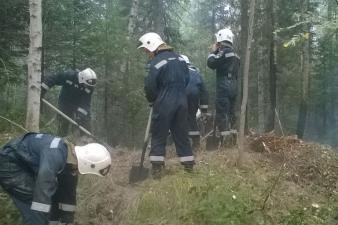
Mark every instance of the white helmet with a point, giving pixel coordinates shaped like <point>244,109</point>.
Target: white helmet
<point>88,77</point>
<point>224,35</point>
<point>186,59</point>
<point>93,158</point>
<point>150,41</point>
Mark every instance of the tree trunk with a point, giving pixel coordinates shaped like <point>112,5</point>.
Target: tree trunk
<point>74,34</point>
<point>107,69</point>
<point>34,66</point>
<point>246,80</point>
<point>260,90</point>
<point>261,65</point>
<point>243,40</point>
<point>159,18</point>
<point>133,17</point>
<point>305,59</point>
<point>270,125</point>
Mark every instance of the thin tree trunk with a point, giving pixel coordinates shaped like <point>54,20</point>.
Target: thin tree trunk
<point>74,48</point>
<point>34,66</point>
<point>133,17</point>
<point>213,17</point>
<point>107,67</point>
<point>244,39</point>
<point>260,87</point>
<point>158,17</point>
<point>261,59</point>
<point>305,58</point>
<point>270,125</point>
<point>246,80</point>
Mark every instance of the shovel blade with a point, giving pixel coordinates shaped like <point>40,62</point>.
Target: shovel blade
<point>137,174</point>
<point>212,143</point>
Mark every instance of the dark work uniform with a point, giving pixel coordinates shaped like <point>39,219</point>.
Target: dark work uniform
<point>74,99</point>
<point>197,99</point>
<point>226,63</point>
<point>33,171</point>
<point>165,89</point>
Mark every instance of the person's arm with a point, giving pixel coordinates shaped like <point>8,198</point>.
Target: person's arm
<point>65,197</point>
<point>52,162</point>
<point>150,82</point>
<point>187,76</point>
<point>59,79</point>
<point>204,96</point>
<point>215,59</point>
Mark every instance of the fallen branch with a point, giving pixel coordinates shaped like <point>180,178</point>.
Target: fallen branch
<point>274,184</point>
<point>14,123</point>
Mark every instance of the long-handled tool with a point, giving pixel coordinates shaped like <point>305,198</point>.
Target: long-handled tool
<point>139,172</point>
<point>77,124</point>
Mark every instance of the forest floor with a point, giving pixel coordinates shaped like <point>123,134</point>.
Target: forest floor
<point>282,181</point>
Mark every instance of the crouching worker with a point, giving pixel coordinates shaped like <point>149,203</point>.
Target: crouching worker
<point>39,172</point>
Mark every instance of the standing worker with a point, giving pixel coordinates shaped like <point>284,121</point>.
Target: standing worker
<point>75,96</point>
<point>226,62</point>
<point>197,99</point>
<point>39,172</point>
<point>165,90</point>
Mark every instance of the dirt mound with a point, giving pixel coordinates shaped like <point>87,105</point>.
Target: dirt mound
<point>105,201</point>
<point>305,163</point>
<point>296,167</point>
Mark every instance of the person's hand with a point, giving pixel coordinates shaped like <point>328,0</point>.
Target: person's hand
<point>214,47</point>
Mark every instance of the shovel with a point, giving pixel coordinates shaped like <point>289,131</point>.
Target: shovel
<point>139,172</point>
<point>110,149</point>
<point>212,142</point>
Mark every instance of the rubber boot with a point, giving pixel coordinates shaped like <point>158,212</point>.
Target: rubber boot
<point>157,170</point>
<point>188,166</point>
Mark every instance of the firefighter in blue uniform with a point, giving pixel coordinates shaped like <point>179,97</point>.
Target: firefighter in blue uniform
<point>74,98</point>
<point>226,62</point>
<point>197,96</point>
<point>39,172</point>
<point>165,89</point>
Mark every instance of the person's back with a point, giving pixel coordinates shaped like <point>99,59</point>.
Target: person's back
<point>164,87</point>
<point>170,74</point>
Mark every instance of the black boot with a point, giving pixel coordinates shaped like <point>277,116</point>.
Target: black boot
<point>188,166</point>
<point>157,170</point>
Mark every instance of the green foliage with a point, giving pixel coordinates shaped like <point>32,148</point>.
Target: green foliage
<point>206,198</point>
<point>219,195</point>
<point>304,216</point>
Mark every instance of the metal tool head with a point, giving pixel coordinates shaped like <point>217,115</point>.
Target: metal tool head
<point>212,142</point>
<point>138,174</point>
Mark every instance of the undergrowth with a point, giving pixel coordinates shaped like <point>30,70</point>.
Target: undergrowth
<point>216,195</point>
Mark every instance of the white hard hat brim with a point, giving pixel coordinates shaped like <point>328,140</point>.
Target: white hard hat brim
<point>80,165</point>
<point>141,46</point>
